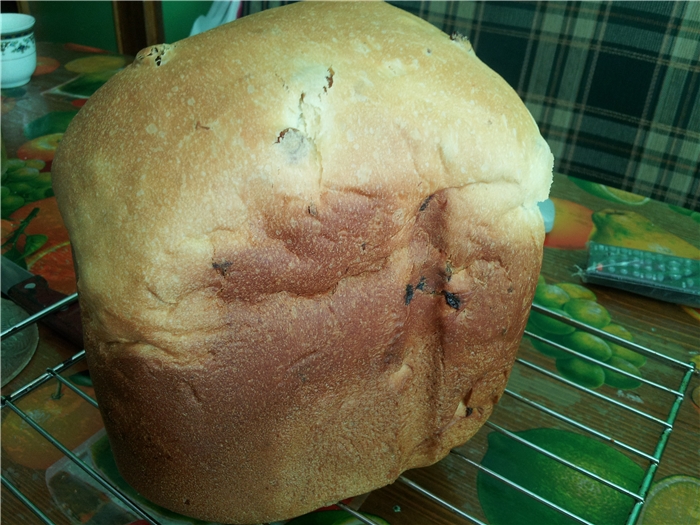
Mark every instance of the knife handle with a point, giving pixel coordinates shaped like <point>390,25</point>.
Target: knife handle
<point>34,295</point>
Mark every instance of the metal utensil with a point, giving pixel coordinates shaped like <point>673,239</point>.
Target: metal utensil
<point>61,313</point>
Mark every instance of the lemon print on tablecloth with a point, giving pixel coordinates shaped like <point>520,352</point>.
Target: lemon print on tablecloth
<point>543,347</point>
<point>609,193</point>
<point>550,479</point>
<point>589,312</point>
<point>684,211</point>
<point>583,306</point>
<point>95,64</point>
<point>617,380</point>
<point>550,296</point>
<point>576,291</point>
<point>629,229</point>
<point>673,500</point>
<point>633,357</point>
<point>695,398</point>
<point>549,325</point>
<point>23,182</point>
<point>588,344</point>
<point>623,197</point>
<point>53,122</point>
<point>581,372</point>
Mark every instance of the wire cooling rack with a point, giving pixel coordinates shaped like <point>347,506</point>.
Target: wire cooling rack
<point>640,431</point>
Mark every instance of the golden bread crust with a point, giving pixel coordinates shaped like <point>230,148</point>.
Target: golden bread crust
<point>307,244</point>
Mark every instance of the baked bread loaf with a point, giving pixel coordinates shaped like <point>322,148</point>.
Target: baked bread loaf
<point>306,244</point>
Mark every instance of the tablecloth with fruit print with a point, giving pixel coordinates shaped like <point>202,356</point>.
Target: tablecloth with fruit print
<point>34,119</point>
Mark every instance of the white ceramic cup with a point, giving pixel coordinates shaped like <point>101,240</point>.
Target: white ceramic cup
<point>18,49</point>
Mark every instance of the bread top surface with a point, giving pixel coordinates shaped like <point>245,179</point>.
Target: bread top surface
<point>280,154</point>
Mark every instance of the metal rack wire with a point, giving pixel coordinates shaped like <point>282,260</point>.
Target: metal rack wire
<point>662,425</point>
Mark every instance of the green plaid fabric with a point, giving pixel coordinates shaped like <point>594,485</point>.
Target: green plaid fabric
<point>614,86</point>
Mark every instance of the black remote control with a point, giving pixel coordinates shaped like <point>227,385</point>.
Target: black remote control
<point>656,275</point>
